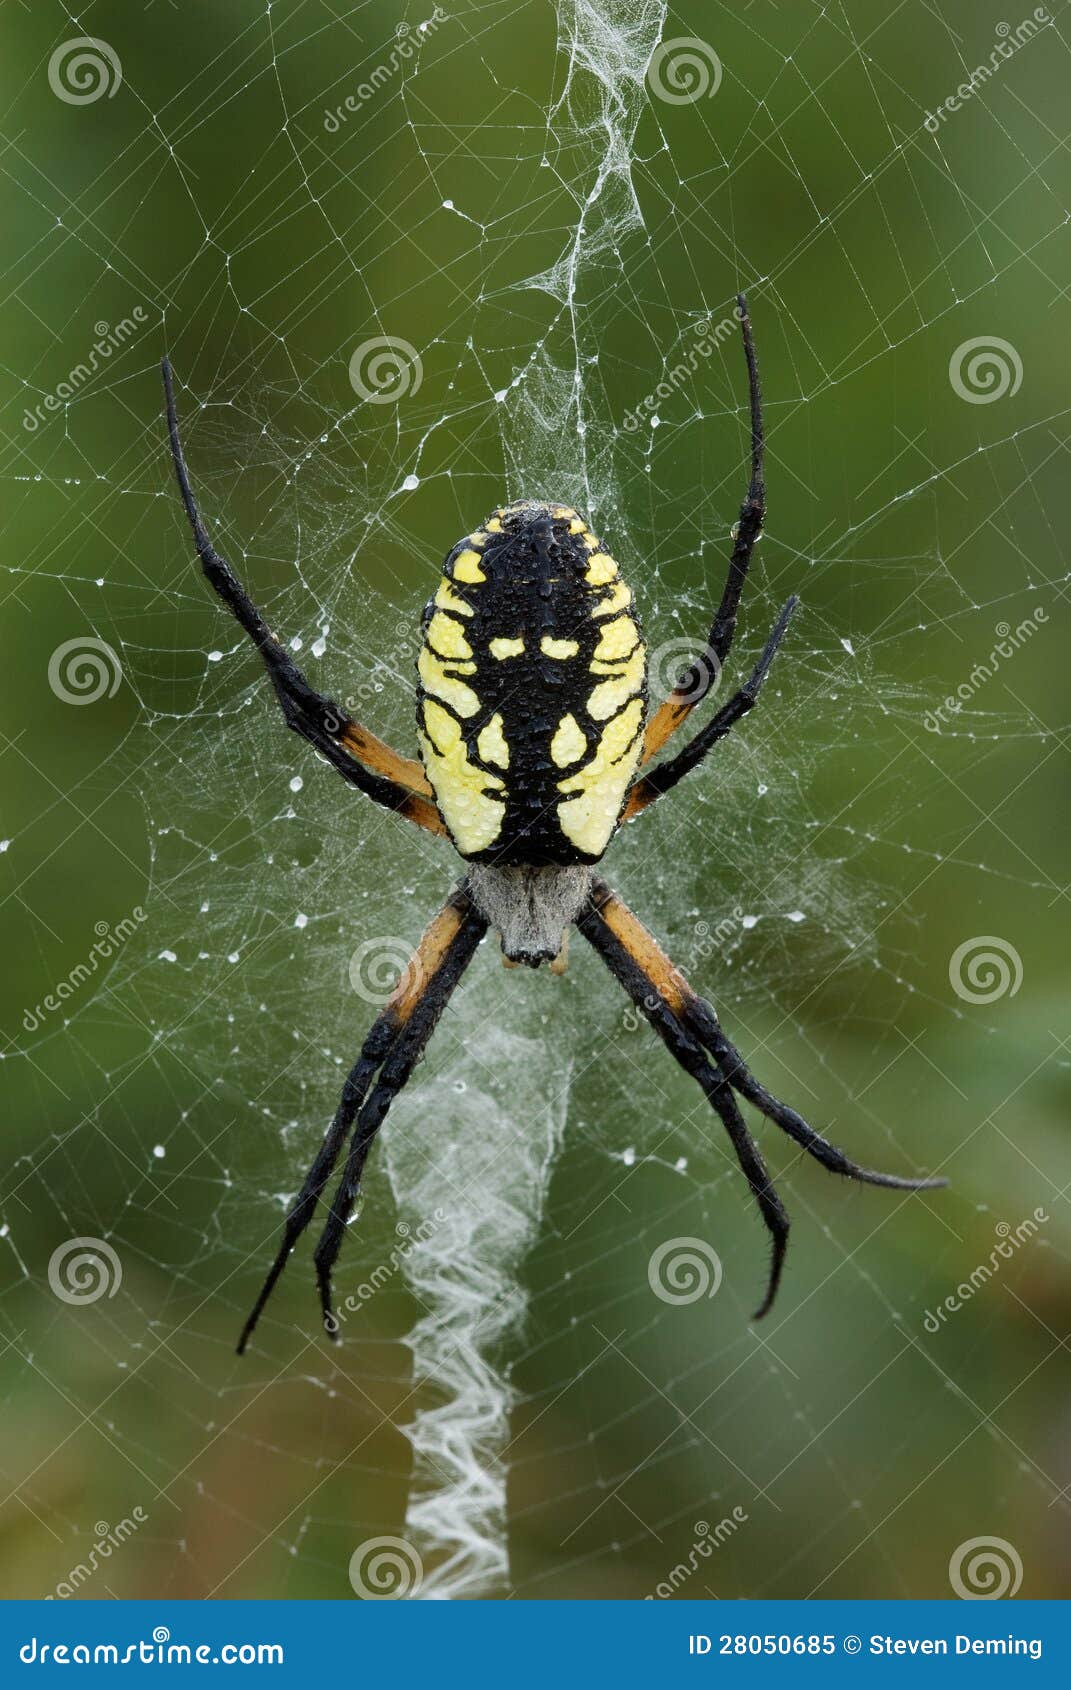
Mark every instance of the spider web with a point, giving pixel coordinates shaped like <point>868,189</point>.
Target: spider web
<point>507,268</point>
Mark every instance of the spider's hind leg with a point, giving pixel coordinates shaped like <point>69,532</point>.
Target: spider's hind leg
<point>689,1026</point>
<point>432,995</point>
<point>395,1041</point>
<point>659,1001</point>
<point>704,1023</point>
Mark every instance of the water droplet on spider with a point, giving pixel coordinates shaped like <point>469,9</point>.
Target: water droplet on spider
<point>795,915</point>
<point>748,921</point>
<point>318,647</point>
<point>167,956</point>
<point>410,484</point>
<point>159,1152</point>
<point>763,789</point>
<point>215,657</point>
<point>233,956</point>
<point>848,646</point>
<point>301,920</point>
<point>460,1086</point>
<point>296,643</point>
<point>296,783</point>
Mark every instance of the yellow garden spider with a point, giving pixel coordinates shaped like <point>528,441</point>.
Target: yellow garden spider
<point>533,727</point>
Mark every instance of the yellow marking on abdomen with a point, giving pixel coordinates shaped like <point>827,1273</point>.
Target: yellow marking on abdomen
<point>615,642</point>
<point>451,690</point>
<point>491,743</point>
<point>560,649</point>
<point>568,744</point>
<point>447,599</point>
<point>618,598</point>
<point>588,818</point>
<point>610,695</point>
<point>503,648</point>
<point>474,819</point>
<point>601,569</point>
<point>448,638</point>
<point>467,568</point>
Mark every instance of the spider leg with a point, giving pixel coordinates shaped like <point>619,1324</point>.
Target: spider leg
<point>423,978</point>
<point>701,1020</point>
<point>396,782</point>
<point>686,1021</point>
<point>663,778</point>
<point>631,969</point>
<point>702,673</point>
<point>396,1070</point>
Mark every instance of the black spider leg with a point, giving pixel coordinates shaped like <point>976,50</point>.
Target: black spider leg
<point>697,681</point>
<point>386,1034</point>
<point>681,1044</point>
<point>664,776</point>
<point>396,1070</point>
<point>701,1018</point>
<point>375,1048</point>
<point>318,719</point>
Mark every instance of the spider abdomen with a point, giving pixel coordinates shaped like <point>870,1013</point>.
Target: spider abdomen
<point>532,695</point>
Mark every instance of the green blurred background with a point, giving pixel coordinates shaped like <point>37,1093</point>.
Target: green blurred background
<point>175,1099</point>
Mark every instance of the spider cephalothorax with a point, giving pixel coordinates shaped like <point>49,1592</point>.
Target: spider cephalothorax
<point>533,728</point>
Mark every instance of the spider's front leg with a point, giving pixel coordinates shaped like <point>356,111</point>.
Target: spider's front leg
<point>396,782</point>
<point>392,1048</point>
<point>690,1028</point>
<point>704,670</point>
<point>702,673</point>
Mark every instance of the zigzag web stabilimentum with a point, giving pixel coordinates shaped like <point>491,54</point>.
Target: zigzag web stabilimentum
<point>501,1151</point>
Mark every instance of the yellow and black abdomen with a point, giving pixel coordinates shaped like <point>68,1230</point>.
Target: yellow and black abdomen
<point>532,694</point>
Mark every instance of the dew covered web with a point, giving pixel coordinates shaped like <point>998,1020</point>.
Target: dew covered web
<point>508,269</point>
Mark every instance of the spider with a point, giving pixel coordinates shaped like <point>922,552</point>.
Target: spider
<point>533,728</point>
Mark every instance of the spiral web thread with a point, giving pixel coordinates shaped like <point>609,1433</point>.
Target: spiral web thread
<point>248,987</point>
